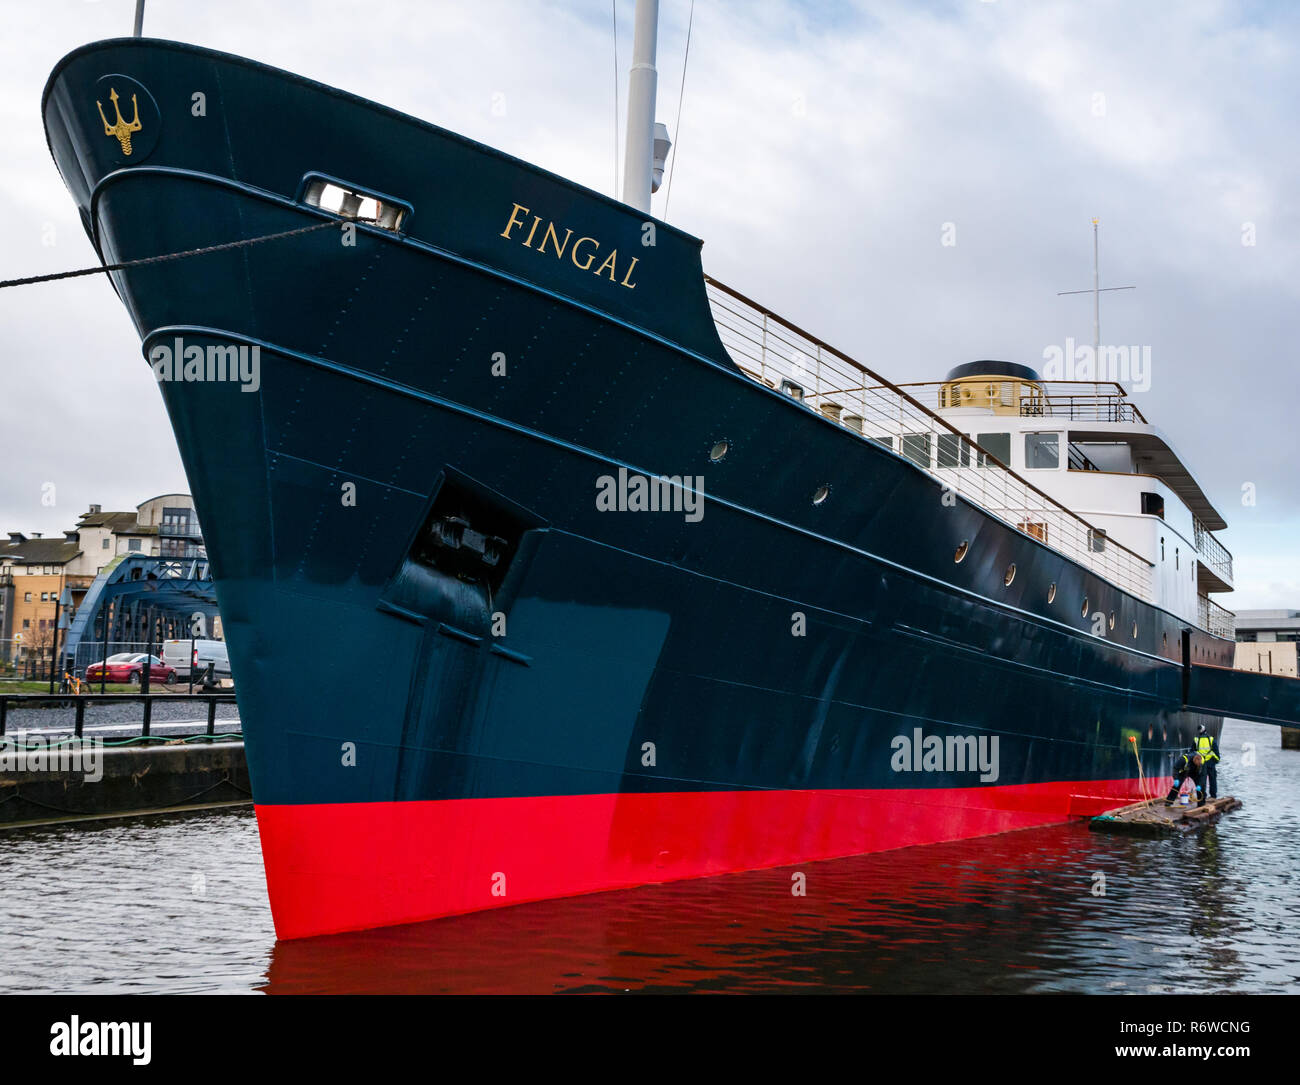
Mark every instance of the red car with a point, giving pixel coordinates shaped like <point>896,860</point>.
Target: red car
<point>127,667</point>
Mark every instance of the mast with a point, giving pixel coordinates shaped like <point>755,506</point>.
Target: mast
<point>1096,292</point>
<point>638,160</point>
<point>1096,295</point>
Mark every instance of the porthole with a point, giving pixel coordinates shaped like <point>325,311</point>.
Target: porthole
<point>1164,640</point>
<point>1010,575</point>
<point>1135,630</point>
<point>822,493</point>
<point>1085,606</point>
<point>1051,592</point>
<point>1112,619</point>
<point>962,549</point>
<point>719,451</point>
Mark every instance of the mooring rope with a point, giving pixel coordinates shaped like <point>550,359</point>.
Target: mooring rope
<point>167,256</point>
<point>1142,782</point>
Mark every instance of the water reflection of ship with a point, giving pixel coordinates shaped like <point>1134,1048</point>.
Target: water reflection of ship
<point>1013,913</point>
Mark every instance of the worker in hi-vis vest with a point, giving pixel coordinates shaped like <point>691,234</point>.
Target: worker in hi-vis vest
<point>1209,751</point>
<point>1188,765</point>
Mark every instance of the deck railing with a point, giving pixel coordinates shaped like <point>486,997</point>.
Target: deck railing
<point>1215,619</point>
<point>1091,404</point>
<point>786,358</point>
<point>1084,401</point>
<point>1214,553</point>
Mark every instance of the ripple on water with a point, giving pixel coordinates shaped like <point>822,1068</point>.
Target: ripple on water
<point>178,904</point>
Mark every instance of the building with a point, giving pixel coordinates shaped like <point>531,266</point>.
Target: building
<point>166,526</point>
<point>34,571</point>
<point>1267,640</point>
<point>1268,626</point>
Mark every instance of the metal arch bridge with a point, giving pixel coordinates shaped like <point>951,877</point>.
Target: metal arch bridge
<point>137,597</point>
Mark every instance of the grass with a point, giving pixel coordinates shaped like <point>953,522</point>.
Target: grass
<point>92,687</point>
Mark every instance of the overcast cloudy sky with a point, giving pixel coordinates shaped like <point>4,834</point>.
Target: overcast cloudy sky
<point>822,148</point>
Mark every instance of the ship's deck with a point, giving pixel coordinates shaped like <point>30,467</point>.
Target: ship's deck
<point>778,354</point>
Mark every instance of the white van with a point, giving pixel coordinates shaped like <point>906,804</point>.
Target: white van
<point>176,653</point>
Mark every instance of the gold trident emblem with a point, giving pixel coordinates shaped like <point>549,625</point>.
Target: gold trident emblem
<point>121,129</point>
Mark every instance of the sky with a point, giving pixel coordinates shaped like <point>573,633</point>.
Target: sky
<point>825,153</point>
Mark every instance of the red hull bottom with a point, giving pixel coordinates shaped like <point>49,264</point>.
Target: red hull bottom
<point>354,866</point>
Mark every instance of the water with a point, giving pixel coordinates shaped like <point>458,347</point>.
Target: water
<point>178,904</point>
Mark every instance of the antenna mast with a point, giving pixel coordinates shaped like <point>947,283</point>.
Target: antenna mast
<point>1096,292</point>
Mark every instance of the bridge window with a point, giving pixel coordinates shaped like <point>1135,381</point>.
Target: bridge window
<point>994,444</point>
<point>1042,451</point>
<point>953,451</point>
<point>916,447</point>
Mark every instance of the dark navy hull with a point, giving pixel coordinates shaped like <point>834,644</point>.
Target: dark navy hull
<point>640,708</point>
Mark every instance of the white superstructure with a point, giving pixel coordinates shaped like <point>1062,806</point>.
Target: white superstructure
<point>1072,463</point>
<point>1087,445</point>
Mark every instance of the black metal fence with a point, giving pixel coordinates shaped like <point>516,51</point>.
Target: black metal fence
<point>78,702</point>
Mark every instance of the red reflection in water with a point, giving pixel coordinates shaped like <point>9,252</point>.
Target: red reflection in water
<point>976,913</point>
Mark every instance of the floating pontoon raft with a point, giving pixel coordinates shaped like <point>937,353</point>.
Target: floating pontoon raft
<point>1154,818</point>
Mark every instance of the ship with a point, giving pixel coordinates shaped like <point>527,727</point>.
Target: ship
<point>550,565</point>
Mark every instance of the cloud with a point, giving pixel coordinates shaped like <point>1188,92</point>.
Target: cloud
<point>821,150</point>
